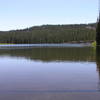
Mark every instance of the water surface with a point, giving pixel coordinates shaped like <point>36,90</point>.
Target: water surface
<point>49,69</point>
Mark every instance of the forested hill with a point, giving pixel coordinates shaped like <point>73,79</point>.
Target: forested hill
<point>51,34</point>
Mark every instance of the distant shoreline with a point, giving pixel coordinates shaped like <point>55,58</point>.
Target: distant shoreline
<point>73,42</point>
<point>81,33</point>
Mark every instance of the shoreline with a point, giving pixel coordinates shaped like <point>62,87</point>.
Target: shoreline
<point>73,42</point>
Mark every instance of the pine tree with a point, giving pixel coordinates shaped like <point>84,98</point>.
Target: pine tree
<point>98,31</point>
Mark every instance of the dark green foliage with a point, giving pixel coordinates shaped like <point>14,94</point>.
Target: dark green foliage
<point>98,33</point>
<point>51,34</point>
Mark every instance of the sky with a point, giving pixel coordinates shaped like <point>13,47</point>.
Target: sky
<point>19,14</point>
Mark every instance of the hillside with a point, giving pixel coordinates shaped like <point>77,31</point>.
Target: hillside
<point>51,34</point>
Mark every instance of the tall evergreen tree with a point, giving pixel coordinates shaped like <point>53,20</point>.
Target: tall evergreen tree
<point>98,28</point>
<point>98,31</point>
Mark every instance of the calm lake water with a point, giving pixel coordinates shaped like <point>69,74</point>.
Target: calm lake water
<point>49,69</point>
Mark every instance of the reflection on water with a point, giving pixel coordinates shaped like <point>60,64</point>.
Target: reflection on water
<point>49,69</point>
<point>53,54</point>
<point>98,64</point>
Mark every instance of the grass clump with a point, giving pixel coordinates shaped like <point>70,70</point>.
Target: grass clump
<point>94,44</point>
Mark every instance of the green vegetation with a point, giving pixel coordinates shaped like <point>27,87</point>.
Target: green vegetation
<point>94,44</point>
<point>51,34</point>
<point>98,32</point>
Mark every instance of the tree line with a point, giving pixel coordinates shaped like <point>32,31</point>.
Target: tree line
<point>50,34</point>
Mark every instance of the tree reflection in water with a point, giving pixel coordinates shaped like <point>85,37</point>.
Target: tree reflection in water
<point>98,63</point>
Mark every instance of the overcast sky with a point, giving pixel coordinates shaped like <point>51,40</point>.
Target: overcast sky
<point>19,14</point>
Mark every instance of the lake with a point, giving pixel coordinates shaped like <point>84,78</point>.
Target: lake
<point>49,70</point>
